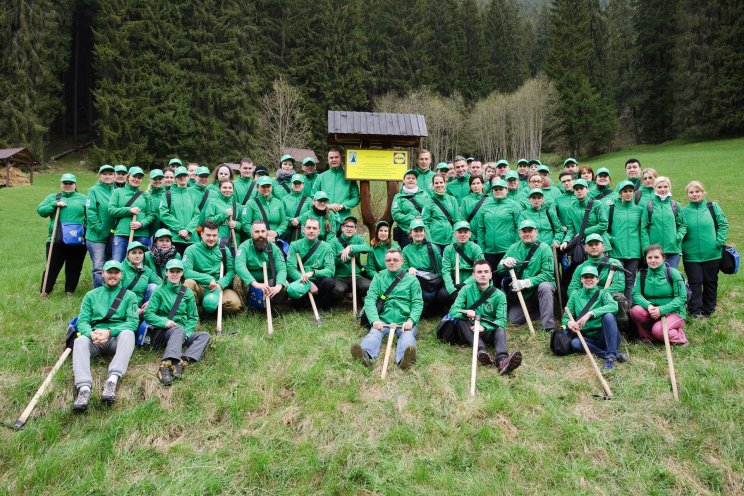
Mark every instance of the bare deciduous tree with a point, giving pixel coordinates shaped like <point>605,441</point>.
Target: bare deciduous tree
<point>282,122</point>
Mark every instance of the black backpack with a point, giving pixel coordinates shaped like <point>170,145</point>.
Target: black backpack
<point>668,273</point>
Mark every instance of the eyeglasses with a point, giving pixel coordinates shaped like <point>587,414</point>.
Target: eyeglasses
<point>391,260</point>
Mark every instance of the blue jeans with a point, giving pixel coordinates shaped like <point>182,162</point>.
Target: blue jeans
<point>372,342</point>
<point>673,259</point>
<point>119,246</point>
<point>607,342</point>
<point>97,253</point>
<point>148,291</point>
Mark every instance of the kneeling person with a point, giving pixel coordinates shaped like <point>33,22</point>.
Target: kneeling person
<point>318,261</point>
<point>252,255</point>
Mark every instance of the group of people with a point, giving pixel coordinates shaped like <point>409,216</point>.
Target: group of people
<point>465,239</point>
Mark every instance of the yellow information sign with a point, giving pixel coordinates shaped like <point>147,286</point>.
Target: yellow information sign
<point>376,165</point>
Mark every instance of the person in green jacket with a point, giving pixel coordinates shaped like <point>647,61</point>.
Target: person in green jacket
<point>565,200</point>
<point>317,259</point>
<point>571,166</point>
<point>225,211</point>
<point>707,230</point>
<point>471,204</point>
<point>514,190</point>
<point>549,228</point>
<point>523,169</point>
<point>381,242</point>
<point>221,173</point>
<point>69,242</point>
<point>161,253</point>
<point>98,222</point>
<point>534,276</point>
<point>345,245</point>
<point>663,222</point>
<point>209,270</point>
<point>179,213</point>
<point>408,204</point>
<point>174,326</point>
<point>202,192</point>
<point>130,209</point>
<point>136,276</point>
<point>659,292</point>
<point>551,192</point>
<point>463,253</point>
<point>343,194</point>
<point>440,214</point>
<point>492,318</point>
<point>244,187</point>
<point>266,207</point>
<point>120,176</point>
<point>624,232</point>
<point>459,186</point>
<point>422,259</point>
<point>645,193</point>
<point>632,174</point>
<point>249,281</point>
<point>295,204</point>
<point>282,183</point>
<point>401,307</point>
<point>169,177</point>
<point>424,174</point>
<point>156,190</point>
<point>328,219</point>
<point>603,190</point>
<point>99,333</point>
<point>309,170</point>
<point>596,322</point>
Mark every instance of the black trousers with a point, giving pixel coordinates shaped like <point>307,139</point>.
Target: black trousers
<point>631,265</point>
<point>493,261</point>
<point>72,257</point>
<point>462,333</point>
<point>180,247</point>
<point>703,280</point>
<point>325,298</point>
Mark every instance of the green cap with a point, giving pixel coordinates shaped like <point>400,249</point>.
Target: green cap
<point>625,184</point>
<point>298,289</point>
<point>603,170</point>
<point>350,217</point>
<point>523,161</point>
<point>136,171</point>
<point>589,270</point>
<point>106,167</point>
<point>527,224</point>
<point>135,244</point>
<point>462,224</point>
<point>309,160</point>
<point>443,166</point>
<point>593,237</point>
<point>68,178</point>
<point>498,183</point>
<point>265,181</point>
<point>543,168</point>
<point>469,159</point>
<point>202,171</point>
<point>536,191</point>
<point>512,175</point>
<point>156,173</point>
<point>409,172</point>
<point>287,158</point>
<point>416,223</point>
<point>181,171</point>
<point>162,232</point>
<point>502,163</point>
<point>569,160</point>
<point>534,161</point>
<point>580,182</point>
<point>175,161</point>
<point>298,178</point>
<point>320,195</point>
<point>174,264</point>
<point>120,168</point>
<point>112,264</point>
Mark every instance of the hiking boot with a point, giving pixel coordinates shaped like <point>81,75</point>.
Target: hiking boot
<point>164,373</point>
<point>359,354</point>
<point>609,364</point>
<point>508,364</point>
<point>81,402</point>
<point>484,358</point>
<point>179,368</point>
<point>409,356</point>
<point>109,392</point>
<point>622,358</point>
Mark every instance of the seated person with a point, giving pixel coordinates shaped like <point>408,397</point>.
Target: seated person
<point>381,242</point>
<point>249,282</point>
<point>136,276</point>
<point>317,260</point>
<point>422,259</point>
<point>345,245</point>
<point>161,253</point>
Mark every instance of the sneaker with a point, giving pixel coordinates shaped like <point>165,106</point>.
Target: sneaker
<point>622,358</point>
<point>409,356</point>
<point>609,364</point>
<point>109,392</point>
<point>484,358</point>
<point>508,364</point>
<point>359,354</point>
<point>179,368</point>
<point>164,373</point>
<point>81,402</point>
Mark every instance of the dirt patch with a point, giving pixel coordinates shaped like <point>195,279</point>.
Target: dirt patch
<point>17,177</point>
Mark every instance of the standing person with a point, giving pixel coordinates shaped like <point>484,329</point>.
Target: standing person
<point>381,242</point>
<point>659,291</point>
<point>571,166</point>
<point>329,222</point>
<point>471,204</point>
<point>192,168</point>
<point>707,230</point>
<point>475,167</point>
<point>424,174</point>
<point>267,208</point>
<point>125,203</point>
<point>309,169</point>
<point>551,192</point>
<point>295,204</point>
<point>252,254</point>
<point>169,177</point>
<point>480,297</point>
<point>202,192</point>
<point>549,228</point>
<point>663,223</point>
<point>221,173</point>
<point>632,174</point>
<point>224,211</point>
<point>317,260</point>
<point>402,306</point>
<point>179,213</point>
<point>282,182</point>
<point>645,193</point>
<point>172,311</point>
<point>98,222</point>
<point>468,253</point>
<point>441,214</point>
<point>502,168</point>
<point>624,232</point>
<point>346,244</point>
<point>245,186</point>
<point>343,194</point>
<point>523,169</point>
<point>565,200</point>
<point>69,243</point>
<point>489,171</point>
<point>120,176</point>
<point>459,186</point>
<point>587,174</point>
<point>532,262</point>
<point>136,276</point>
<point>514,191</point>
<point>408,204</point>
<point>424,261</point>
<point>603,187</point>
<point>107,321</point>
<point>156,190</point>
<point>161,253</point>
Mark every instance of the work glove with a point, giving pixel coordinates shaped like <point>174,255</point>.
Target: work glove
<point>521,284</point>
<point>509,262</point>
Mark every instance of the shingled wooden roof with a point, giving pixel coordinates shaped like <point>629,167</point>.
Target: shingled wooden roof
<point>370,128</point>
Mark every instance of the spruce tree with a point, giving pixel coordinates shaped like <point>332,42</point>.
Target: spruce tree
<point>507,46</point>
<point>474,64</point>
<point>728,97</point>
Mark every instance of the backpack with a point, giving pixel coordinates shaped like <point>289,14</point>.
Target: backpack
<point>650,207</point>
<point>668,273</point>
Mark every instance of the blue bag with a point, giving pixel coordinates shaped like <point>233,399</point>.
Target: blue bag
<point>729,260</point>
<point>72,233</point>
<point>256,298</point>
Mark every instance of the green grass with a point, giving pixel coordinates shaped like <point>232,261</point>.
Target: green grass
<point>292,414</point>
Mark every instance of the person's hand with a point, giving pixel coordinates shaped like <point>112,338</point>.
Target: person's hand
<point>305,277</point>
<point>183,233</point>
<point>521,284</point>
<point>271,236</point>
<point>573,325</point>
<point>555,244</point>
<point>412,271</point>
<point>564,245</point>
<point>654,311</point>
<point>583,320</point>
<point>61,204</point>
<point>228,211</point>
<point>100,336</point>
<point>345,253</point>
<point>313,288</point>
<point>170,324</point>
<point>134,210</point>
<point>295,222</point>
<point>213,285</point>
<point>377,324</point>
<point>408,325</point>
<point>135,224</point>
<point>469,314</point>
<point>509,262</point>
<point>275,290</point>
<point>231,224</point>
<point>335,207</point>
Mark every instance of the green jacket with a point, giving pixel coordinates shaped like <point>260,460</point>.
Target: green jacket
<point>702,242</point>
<point>618,278</point>
<point>99,223</point>
<point>670,298</point>
<point>439,228</point>
<point>148,276</point>
<point>604,304</point>
<point>202,264</point>
<point>291,203</point>
<point>321,261</point>
<point>160,271</point>
<point>497,225</point>
<point>309,181</point>
<point>197,194</point>
<point>518,196</point>
<point>402,304</point>
<point>95,307</point>
<point>404,212</point>
<point>416,255</point>
<point>609,194</point>
<point>493,309</point>
<point>182,213</point>
<point>161,303</point>
<point>596,223</point>
<point>339,190</point>
<point>563,206</point>
<point>74,212</point>
<point>647,194</point>
<point>625,232</point>
<point>156,194</point>
<point>424,179</point>
<point>358,246</point>
<point>459,187</point>
<point>278,187</point>
<point>121,215</point>
<point>249,264</point>
<point>550,194</point>
<point>539,269</point>
<point>216,212</point>
<point>467,205</point>
<point>241,187</point>
<point>332,219</point>
<point>549,227</point>
<point>665,228</point>
<point>470,249</point>
<point>376,258</point>
<point>637,184</point>
<point>274,209</point>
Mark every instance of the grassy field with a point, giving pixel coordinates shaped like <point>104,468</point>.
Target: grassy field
<point>292,414</point>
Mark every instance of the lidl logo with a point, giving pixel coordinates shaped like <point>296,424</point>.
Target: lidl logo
<point>399,158</point>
